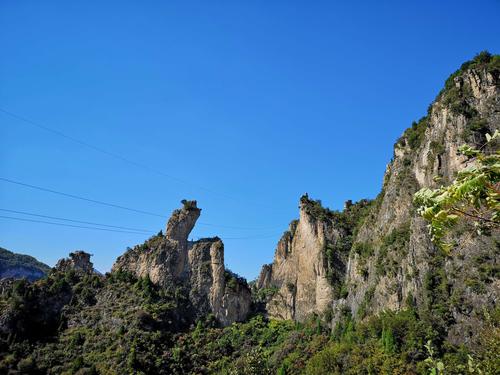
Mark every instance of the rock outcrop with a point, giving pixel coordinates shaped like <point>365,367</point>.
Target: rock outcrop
<point>78,261</point>
<point>390,262</point>
<point>299,273</point>
<point>164,258</point>
<point>171,260</point>
<point>213,288</point>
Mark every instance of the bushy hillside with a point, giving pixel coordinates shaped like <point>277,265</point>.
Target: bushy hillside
<point>76,323</point>
<point>20,266</point>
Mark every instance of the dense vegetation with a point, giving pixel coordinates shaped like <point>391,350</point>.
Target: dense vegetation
<point>118,325</point>
<point>393,343</point>
<point>75,322</point>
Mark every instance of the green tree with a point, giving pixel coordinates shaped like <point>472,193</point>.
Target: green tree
<point>388,340</point>
<point>436,367</point>
<point>474,195</point>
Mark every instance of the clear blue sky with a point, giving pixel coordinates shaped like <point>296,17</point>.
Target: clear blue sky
<point>251,103</point>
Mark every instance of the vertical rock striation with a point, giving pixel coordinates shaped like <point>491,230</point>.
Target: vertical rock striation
<point>171,260</point>
<point>386,260</point>
<point>299,273</point>
<point>403,267</point>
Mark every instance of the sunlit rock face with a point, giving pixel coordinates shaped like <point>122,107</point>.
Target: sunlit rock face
<point>299,272</point>
<point>198,266</point>
<point>392,263</point>
<point>213,289</point>
<point>77,261</point>
<point>399,271</point>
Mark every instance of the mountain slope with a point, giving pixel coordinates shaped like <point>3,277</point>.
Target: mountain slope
<point>18,266</point>
<point>404,267</point>
<point>385,259</point>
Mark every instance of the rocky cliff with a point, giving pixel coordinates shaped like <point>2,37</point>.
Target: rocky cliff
<point>386,260</point>
<point>78,261</point>
<point>197,267</point>
<point>299,275</point>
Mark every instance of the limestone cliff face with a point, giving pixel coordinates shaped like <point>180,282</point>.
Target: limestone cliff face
<point>171,260</point>
<point>213,289</point>
<point>300,271</point>
<point>391,262</point>
<point>180,224</point>
<point>403,266</point>
<point>164,258</point>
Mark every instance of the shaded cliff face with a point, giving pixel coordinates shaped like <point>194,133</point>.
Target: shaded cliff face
<point>391,263</point>
<point>213,288</point>
<point>196,266</point>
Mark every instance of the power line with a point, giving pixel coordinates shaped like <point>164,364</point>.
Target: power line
<point>73,196</point>
<point>129,161</point>
<point>74,221</point>
<point>67,225</point>
<point>79,197</point>
<point>107,230</point>
<point>109,153</point>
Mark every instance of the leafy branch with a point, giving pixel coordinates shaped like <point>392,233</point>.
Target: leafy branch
<point>473,195</point>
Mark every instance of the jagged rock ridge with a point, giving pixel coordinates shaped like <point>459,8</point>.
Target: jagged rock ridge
<point>391,262</point>
<point>171,260</point>
<point>299,271</point>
